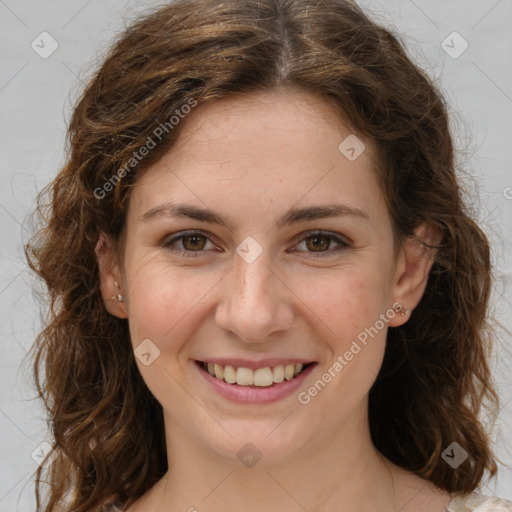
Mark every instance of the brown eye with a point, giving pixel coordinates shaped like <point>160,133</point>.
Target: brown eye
<point>188,244</point>
<point>318,243</point>
<point>194,242</point>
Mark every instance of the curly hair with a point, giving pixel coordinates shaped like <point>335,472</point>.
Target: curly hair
<point>435,378</point>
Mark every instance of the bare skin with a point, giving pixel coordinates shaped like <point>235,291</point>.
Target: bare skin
<point>251,160</point>
<point>412,494</point>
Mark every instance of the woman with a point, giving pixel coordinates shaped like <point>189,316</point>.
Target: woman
<point>266,291</point>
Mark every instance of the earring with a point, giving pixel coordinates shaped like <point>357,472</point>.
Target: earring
<point>400,309</point>
<point>119,297</point>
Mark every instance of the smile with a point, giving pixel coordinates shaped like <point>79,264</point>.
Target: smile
<point>259,377</point>
<point>259,384</point>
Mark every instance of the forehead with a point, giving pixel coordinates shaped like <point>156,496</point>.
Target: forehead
<point>285,117</point>
<point>284,146</point>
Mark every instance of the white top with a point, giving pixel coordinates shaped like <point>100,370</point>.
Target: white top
<point>469,502</point>
<point>476,502</point>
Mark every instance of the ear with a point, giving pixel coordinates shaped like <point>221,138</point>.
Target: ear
<point>412,270</point>
<point>111,285</point>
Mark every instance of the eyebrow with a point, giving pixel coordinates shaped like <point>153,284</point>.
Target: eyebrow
<point>293,216</point>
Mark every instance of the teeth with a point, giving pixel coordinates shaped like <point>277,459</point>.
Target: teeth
<point>219,371</point>
<point>229,374</point>
<point>289,370</point>
<point>244,376</point>
<point>278,373</point>
<point>262,377</point>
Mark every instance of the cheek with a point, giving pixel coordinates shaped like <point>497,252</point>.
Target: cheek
<point>162,301</point>
<point>350,305</point>
<point>164,306</point>
<point>346,301</point>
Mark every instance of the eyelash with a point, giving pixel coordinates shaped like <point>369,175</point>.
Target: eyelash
<point>310,234</point>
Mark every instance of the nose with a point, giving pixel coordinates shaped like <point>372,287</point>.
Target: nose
<point>256,302</point>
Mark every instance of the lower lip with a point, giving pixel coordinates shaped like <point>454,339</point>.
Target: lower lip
<point>250,395</point>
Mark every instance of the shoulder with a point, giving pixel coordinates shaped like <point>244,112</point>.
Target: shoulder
<point>476,502</point>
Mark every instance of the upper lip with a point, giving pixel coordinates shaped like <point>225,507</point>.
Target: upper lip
<point>254,365</point>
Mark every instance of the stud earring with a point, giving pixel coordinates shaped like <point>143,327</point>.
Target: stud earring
<point>119,297</point>
<point>400,309</point>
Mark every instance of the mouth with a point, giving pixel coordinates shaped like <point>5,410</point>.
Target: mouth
<point>266,376</point>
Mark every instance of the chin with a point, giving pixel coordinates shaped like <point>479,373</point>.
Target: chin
<point>262,442</point>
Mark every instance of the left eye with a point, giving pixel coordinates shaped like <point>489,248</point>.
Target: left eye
<point>194,243</point>
<point>320,243</point>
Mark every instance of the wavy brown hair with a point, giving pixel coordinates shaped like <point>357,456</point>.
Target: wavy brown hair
<point>435,379</point>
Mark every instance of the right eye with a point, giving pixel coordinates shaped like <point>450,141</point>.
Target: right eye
<point>192,243</point>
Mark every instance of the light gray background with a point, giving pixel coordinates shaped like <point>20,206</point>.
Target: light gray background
<point>35,99</point>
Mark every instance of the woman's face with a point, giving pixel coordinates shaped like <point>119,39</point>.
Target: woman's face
<point>256,243</point>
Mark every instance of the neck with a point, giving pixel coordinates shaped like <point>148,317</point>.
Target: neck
<point>341,472</point>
